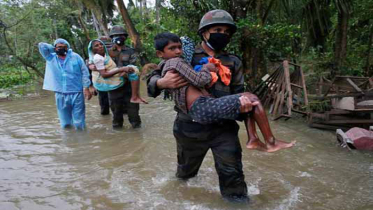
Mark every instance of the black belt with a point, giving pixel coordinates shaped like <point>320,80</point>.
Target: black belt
<point>183,117</point>
<point>186,118</point>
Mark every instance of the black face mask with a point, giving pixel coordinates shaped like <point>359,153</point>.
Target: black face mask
<point>119,40</point>
<point>218,41</point>
<point>61,51</point>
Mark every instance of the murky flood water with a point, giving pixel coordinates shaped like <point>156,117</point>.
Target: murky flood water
<point>43,167</point>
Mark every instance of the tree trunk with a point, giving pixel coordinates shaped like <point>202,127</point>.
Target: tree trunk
<point>252,57</point>
<point>134,35</point>
<point>266,12</point>
<point>341,42</point>
<point>141,11</point>
<point>131,4</point>
<point>83,26</point>
<point>259,10</point>
<point>95,23</point>
<point>15,40</point>
<point>105,24</point>
<point>157,10</point>
<point>55,28</point>
<point>22,60</point>
<point>145,9</point>
<point>238,9</point>
<point>82,46</point>
<point>98,16</point>
<point>368,72</point>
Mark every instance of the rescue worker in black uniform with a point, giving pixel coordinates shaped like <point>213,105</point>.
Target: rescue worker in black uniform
<point>124,55</point>
<point>194,139</point>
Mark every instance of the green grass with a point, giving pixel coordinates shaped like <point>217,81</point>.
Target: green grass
<point>13,77</point>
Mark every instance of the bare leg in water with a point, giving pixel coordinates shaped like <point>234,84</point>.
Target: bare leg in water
<point>259,116</point>
<point>253,142</point>
<point>135,96</point>
<point>135,88</point>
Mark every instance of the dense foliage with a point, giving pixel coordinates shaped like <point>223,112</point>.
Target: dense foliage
<point>324,36</point>
<point>14,77</point>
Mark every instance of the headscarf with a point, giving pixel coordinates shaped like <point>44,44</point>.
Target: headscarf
<point>188,48</point>
<point>91,54</point>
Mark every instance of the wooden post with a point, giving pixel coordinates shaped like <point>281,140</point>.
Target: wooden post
<point>288,86</point>
<point>354,85</point>
<point>304,88</point>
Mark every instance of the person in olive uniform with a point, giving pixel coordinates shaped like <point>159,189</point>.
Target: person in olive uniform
<point>194,139</point>
<point>195,100</point>
<point>123,56</point>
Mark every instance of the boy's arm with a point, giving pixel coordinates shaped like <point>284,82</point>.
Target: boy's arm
<point>156,83</point>
<point>198,79</point>
<point>46,50</point>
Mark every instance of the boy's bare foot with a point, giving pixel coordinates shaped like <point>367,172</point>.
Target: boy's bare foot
<point>278,145</point>
<point>138,100</point>
<point>256,144</point>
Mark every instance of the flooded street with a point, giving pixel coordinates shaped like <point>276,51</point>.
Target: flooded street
<point>43,167</point>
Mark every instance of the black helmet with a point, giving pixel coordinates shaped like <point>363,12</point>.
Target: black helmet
<point>106,40</point>
<point>216,17</point>
<point>117,30</point>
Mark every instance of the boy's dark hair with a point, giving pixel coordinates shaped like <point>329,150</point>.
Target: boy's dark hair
<point>163,39</point>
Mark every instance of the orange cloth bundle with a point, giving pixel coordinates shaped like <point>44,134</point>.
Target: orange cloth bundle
<point>223,71</point>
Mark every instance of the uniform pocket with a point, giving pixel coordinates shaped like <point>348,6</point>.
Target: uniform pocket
<point>125,59</point>
<point>191,130</point>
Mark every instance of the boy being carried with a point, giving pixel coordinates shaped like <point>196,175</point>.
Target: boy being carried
<point>195,100</point>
